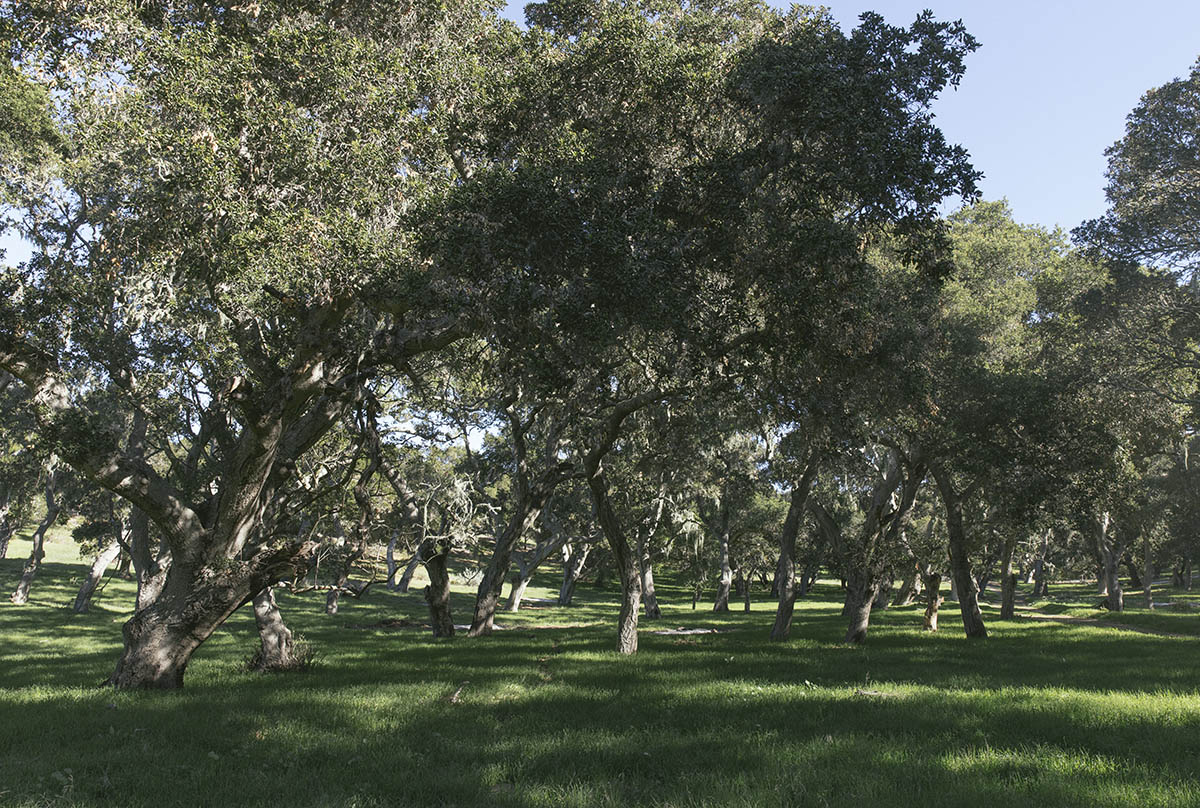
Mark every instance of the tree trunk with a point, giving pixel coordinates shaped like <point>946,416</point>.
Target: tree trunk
<point>491,585</point>
<point>150,566</point>
<point>7,524</point>
<point>1111,550</point>
<point>883,592</point>
<point>277,650</point>
<point>627,568</point>
<point>1041,586</point>
<point>910,588</point>
<point>1147,570</point>
<point>106,556</point>
<point>437,593</point>
<point>195,599</point>
<point>392,567</point>
<point>573,561</point>
<point>520,581</point>
<point>860,596</point>
<point>649,597</point>
<point>725,582</point>
<point>410,569</point>
<point>1008,581</point>
<point>21,595</point>
<point>785,571</point>
<point>1135,575</point>
<point>960,562</point>
<point>933,600</point>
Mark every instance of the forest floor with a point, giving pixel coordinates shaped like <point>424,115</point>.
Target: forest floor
<point>1041,713</point>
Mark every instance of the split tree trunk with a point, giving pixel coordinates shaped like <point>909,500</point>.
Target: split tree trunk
<point>960,562</point>
<point>573,561</point>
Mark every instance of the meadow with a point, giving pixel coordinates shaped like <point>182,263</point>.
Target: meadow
<point>544,713</point>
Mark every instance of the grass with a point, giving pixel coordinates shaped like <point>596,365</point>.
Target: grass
<point>1042,713</point>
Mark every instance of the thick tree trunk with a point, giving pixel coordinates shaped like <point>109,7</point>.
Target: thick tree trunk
<point>8,525</point>
<point>277,650</point>
<point>1008,581</point>
<point>883,592</point>
<point>933,600</point>
<point>860,596</point>
<point>83,600</point>
<point>960,562</point>
<point>785,571</point>
<point>195,599</point>
<point>437,593</point>
<point>520,581</point>
<point>21,595</point>
<point>491,585</point>
<point>725,582</point>
<point>150,565</point>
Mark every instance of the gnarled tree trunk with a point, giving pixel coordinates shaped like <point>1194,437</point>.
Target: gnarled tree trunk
<point>627,567</point>
<point>785,572</point>
<point>574,557</point>
<point>860,596</point>
<point>21,595</point>
<point>437,593</point>
<point>277,649</point>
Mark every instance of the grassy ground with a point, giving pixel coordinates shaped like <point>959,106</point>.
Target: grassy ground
<point>1042,713</point>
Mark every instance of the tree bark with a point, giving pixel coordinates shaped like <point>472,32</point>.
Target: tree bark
<point>437,593</point>
<point>725,582</point>
<point>627,568</point>
<point>860,597</point>
<point>960,562</point>
<point>392,567</point>
<point>933,600</point>
<point>277,649</point>
<point>1147,570</point>
<point>573,561</point>
<point>410,569</point>
<point>1008,581</point>
<point>83,600</point>
<point>1111,549</point>
<point>785,572</point>
<point>21,595</point>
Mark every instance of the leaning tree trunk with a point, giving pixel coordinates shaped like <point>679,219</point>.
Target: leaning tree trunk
<point>627,567</point>
<point>573,561</point>
<point>21,595</point>
<point>437,593</point>
<point>410,569</point>
<point>106,556</point>
<point>491,584</point>
<point>860,596</point>
<point>933,600</point>
<point>520,582</point>
<point>392,567</point>
<point>785,572</point>
<point>960,562</point>
<point>910,587</point>
<point>277,650</point>
<point>1008,581</point>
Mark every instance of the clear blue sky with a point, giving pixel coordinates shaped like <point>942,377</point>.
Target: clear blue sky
<point>1046,93</point>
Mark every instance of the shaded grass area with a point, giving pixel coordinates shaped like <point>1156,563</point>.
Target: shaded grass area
<point>1040,714</point>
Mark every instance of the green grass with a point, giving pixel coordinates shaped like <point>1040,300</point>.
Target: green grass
<point>1042,713</point>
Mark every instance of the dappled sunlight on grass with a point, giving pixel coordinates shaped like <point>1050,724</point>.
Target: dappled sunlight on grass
<point>1042,713</point>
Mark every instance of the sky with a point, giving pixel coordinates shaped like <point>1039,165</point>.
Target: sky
<point>1043,97</point>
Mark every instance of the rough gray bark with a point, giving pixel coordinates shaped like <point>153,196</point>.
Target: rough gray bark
<point>277,649</point>
<point>1008,581</point>
<point>933,600</point>
<point>627,568</point>
<point>410,570</point>
<point>574,557</point>
<point>21,595</point>
<point>785,572</point>
<point>960,562</point>
<point>83,600</point>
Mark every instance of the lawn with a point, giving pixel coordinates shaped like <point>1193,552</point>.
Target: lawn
<point>1041,714</point>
